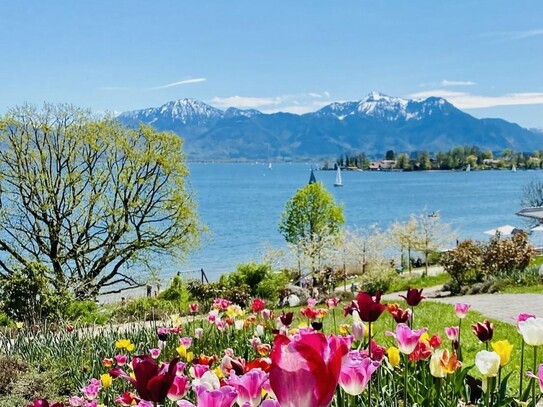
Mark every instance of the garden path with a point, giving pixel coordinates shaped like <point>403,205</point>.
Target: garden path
<point>503,307</point>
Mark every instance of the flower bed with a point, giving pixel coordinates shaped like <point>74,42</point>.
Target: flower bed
<point>372,354</point>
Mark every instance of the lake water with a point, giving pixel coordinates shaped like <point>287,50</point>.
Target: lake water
<point>241,204</point>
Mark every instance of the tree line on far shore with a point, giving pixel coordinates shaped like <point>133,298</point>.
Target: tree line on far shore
<point>457,158</point>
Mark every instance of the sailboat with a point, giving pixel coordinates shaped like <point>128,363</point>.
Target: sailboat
<point>514,168</point>
<point>339,182</point>
<point>270,166</point>
<point>468,168</point>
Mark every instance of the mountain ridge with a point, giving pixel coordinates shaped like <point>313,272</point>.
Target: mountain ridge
<point>372,125</point>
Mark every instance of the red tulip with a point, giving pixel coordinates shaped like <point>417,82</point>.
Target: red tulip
<point>44,403</point>
<point>152,382</point>
<point>258,305</point>
<point>414,296</point>
<point>286,319</point>
<point>368,308</point>
<point>484,331</point>
<point>400,315</point>
<point>305,370</point>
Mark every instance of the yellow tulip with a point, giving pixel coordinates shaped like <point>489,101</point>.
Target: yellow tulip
<point>218,372</point>
<point>182,351</point>
<point>344,329</point>
<point>503,349</point>
<point>393,354</point>
<point>125,344</point>
<point>106,380</point>
<point>19,325</point>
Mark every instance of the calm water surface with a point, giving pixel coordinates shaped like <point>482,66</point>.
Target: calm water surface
<point>241,204</point>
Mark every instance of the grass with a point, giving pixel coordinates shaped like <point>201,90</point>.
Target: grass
<point>405,281</point>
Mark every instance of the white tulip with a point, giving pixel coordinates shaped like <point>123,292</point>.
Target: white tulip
<point>532,331</point>
<point>488,363</point>
<point>436,369</point>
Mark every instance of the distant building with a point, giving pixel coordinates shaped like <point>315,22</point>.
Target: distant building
<point>382,165</point>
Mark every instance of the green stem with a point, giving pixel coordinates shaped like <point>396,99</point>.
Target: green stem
<point>369,352</point>
<point>334,315</point>
<point>459,344</point>
<point>438,392</point>
<point>487,392</point>
<point>535,370</point>
<point>521,369</point>
<point>405,380</point>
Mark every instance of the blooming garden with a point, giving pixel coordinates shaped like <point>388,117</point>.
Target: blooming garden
<point>361,353</point>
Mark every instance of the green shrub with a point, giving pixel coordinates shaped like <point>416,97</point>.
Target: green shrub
<point>269,288</point>
<point>86,312</point>
<point>27,296</point>
<point>378,280</point>
<point>11,369</point>
<point>176,293</point>
<point>463,263</point>
<point>145,309</point>
<point>5,320</point>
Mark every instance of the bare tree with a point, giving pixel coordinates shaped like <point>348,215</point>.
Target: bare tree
<point>88,198</point>
<point>431,234</point>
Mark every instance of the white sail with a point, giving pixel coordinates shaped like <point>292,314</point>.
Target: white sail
<point>339,182</point>
<point>514,168</point>
<point>468,168</point>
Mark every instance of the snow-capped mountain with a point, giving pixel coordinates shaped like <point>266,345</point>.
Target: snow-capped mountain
<point>372,125</point>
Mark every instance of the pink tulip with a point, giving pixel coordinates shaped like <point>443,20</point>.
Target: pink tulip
<point>461,309</point>
<point>198,333</point>
<point>358,326</point>
<point>270,403</point>
<point>523,317</point>
<point>249,386</point>
<point>155,353</point>
<point>179,388</point>
<point>223,397</point>
<point>193,308</point>
<point>406,338</point>
<point>305,370</point>
<point>452,332</point>
<point>539,376</point>
<point>186,341</point>
<point>356,373</point>
<point>266,314</point>
<point>121,359</point>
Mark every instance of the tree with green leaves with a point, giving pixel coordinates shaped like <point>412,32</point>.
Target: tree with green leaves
<point>90,199</point>
<point>309,217</point>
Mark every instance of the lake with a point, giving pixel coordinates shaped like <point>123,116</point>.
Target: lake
<point>241,204</point>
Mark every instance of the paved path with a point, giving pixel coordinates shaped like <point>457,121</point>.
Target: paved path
<point>503,307</point>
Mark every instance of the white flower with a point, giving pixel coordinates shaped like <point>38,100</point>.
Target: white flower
<point>488,363</point>
<point>532,331</point>
<point>436,369</point>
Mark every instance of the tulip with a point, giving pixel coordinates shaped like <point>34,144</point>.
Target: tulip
<point>332,302</point>
<point>436,368</point>
<point>539,376</point>
<point>452,332</point>
<point>258,305</point>
<point>198,333</point>
<point>503,349</point>
<point>358,327</point>
<point>413,297</point>
<point>531,330</point>
<point>488,364</point>
<point>305,370</point>
<point>249,386</point>
<point>368,307</point>
<point>155,353</point>
<point>223,397</point>
<point>266,314</point>
<point>286,319</point>
<point>393,354</point>
<point>125,344</point>
<point>461,309</point>
<point>106,380</point>
<point>44,403</point>
<point>270,403</point>
<point>406,338</point>
<point>179,388</point>
<point>151,381</point>
<point>484,331</point>
<point>356,372</point>
<point>400,315</point>
<point>162,333</point>
<point>193,308</point>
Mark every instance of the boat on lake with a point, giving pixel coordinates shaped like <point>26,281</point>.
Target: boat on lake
<point>339,182</point>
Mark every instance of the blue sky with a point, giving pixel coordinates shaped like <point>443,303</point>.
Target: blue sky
<point>485,57</point>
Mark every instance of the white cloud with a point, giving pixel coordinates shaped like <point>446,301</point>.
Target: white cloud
<point>520,35</point>
<point>245,102</point>
<point>446,82</point>
<point>292,103</point>
<point>465,100</point>
<point>183,82</point>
